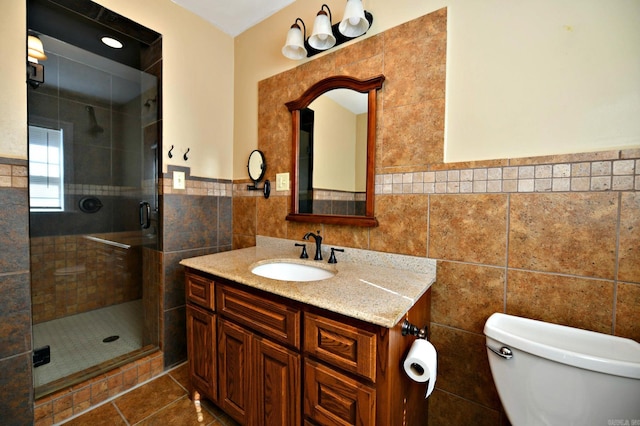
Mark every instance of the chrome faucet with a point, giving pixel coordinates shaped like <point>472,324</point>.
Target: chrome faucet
<point>318,239</point>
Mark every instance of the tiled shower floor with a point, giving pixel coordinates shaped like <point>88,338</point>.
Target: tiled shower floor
<point>76,341</point>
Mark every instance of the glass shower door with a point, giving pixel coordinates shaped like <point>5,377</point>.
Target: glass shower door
<point>93,145</point>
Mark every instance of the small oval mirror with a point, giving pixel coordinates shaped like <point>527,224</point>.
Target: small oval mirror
<point>256,165</point>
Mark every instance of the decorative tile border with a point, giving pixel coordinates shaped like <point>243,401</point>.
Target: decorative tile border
<point>325,194</point>
<point>14,176</point>
<point>194,185</point>
<point>201,187</point>
<point>79,189</point>
<point>240,190</point>
<point>607,175</point>
<point>611,175</point>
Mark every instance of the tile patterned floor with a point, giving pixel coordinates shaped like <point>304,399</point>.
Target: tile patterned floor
<point>77,343</point>
<point>164,401</point>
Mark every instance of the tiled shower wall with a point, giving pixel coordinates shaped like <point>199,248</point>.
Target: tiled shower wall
<point>554,238</point>
<point>72,274</point>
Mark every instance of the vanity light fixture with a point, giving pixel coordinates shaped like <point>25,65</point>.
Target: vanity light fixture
<point>322,37</point>
<point>294,46</point>
<point>325,35</point>
<point>112,42</point>
<point>354,23</point>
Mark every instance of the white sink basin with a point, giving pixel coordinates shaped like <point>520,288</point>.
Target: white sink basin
<point>288,271</point>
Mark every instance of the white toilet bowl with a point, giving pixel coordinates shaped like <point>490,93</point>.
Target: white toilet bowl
<point>548,374</point>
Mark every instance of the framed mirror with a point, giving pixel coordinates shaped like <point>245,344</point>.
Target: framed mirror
<point>333,152</point>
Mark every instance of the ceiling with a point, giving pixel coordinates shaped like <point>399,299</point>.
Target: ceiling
<point>235,16</point>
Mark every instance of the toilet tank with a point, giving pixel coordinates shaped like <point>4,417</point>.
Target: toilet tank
<point>562,375</point>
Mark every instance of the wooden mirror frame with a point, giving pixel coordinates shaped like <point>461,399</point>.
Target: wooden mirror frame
<point>371,87</point>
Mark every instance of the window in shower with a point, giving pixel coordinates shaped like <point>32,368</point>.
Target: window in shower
<point>46,169</point>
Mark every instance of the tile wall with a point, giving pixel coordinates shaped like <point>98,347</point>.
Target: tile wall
<point>196,221</point>
<point>61,405</point>
<point>16,390</point>
<point>553,238</point>
<point>72,274</point>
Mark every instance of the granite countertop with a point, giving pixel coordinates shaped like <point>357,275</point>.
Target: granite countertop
<point>378,288</point>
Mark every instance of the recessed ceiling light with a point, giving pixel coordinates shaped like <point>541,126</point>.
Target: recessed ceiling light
<point>112,42</point>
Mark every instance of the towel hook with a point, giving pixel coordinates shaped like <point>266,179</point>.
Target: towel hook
<point>185,154</point>
<point>170,154</point>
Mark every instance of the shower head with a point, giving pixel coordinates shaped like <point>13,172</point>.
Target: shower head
<point>95,128</point>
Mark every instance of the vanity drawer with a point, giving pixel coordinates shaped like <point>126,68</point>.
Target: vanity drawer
<point>332,398</point>
<point>200,291</point>
<point>341,345</point>
<point>269,317</point>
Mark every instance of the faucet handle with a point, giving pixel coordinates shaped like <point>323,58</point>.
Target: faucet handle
<point>332,258</point>
<point>304,254</point>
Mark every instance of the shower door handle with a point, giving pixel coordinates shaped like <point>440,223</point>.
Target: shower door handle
<point>145,210</point>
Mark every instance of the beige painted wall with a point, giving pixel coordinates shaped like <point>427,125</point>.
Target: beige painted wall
<point>197,83</point>
<point>13,91</point>
<point>523,78</point>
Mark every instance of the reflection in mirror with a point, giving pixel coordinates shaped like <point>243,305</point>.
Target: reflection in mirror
<point>333,154</point>
<point>334,124</point>
<point>256,165</point>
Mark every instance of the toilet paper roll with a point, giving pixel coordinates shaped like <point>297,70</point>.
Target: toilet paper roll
<point>421,364</point>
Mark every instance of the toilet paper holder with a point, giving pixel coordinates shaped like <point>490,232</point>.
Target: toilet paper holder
<point>408,328</point>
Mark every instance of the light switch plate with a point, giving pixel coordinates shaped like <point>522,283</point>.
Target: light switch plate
<point>282,181</point>
<point>178,180</point>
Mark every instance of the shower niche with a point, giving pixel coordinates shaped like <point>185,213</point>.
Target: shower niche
<point>94,159</point>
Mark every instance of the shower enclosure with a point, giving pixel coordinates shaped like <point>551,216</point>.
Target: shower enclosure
<point>93,164</point>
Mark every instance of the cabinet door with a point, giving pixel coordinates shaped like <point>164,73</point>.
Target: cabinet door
<point>234,354</point>
<point>331,398</point>
<point>277,384</point>
<point>201,341</point>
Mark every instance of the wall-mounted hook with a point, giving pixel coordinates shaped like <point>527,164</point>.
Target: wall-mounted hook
<point>185,154</point>
<point>170,154</point>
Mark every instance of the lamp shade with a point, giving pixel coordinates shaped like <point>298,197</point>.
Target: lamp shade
<point>354,23</point>
<point>294,46</point>
<point>35,50</point>
<point>322,37</point>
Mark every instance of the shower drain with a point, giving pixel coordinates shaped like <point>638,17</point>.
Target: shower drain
<point>110,339</point>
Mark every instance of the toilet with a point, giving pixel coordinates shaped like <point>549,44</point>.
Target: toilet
<point>549,374</point>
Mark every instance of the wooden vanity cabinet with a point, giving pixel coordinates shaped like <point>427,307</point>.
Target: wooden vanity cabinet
<point>258,357</point>
<point>353,371</point>
<point>280,362</point>
<point>201,335</point>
